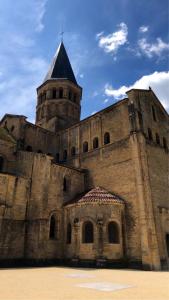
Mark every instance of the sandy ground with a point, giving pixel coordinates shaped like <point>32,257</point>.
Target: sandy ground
<point>63,283</point>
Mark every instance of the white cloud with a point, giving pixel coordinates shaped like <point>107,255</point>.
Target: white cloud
<point>106,100</point>
<point>157,80</point>
<point>111,42</point>
<point>81,75</point>
<point>151,49</point>
<point>143,29</point>
<point>22,68</point>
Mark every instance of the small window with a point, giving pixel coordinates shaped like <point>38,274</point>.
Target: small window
<point>54,93</point>
<point>167,243</point>
<point>70,95</point>
<point>52,227</point>
<point>73,151</point>
<point>64,184</point>
<point>75,98</point>
<point>165,143</point>
<point>150,136</point>
<point>69,234</point>
<point>57,157</point>
<point>157,139</point>
<point>29,148</point>
<point>60,93</point>
<point>154,114</point>
<point>65,155</point>
<point>113,233</point>
<point>1,163</point>
<point>87,232</point>
<point>106,138</point>
<point>95,143</point>
<point>12,128</point>
<point>85,147</point>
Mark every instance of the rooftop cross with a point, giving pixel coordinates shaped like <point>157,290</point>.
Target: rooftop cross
<point>61,34</point>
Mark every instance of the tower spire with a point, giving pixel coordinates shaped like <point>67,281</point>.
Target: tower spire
<point>61,67</point>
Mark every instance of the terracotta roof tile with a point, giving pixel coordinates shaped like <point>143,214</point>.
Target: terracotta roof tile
<point>97,194</point>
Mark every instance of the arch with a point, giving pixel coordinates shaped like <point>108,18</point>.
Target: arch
<point>65,185</point>
<point>95,143</point>
<point>29,148</point>
<point>113,233</point>
<point>157,139</point>
<point>12,128</point>
<point>69,234</point>
<point>73,151</point>
<point>154,114</point>
<point>70,95</point>
<point>150,136</point>
<point>65,155</point>
<point>57,157</point>
<point>54,93</point>
<point>60,93</point>
<point>106,138</point>
<point>75,98</point>
<point>52,229</point>
<point>87,232</point>
<point>1,163</point>
<point>167,243</point>
<point>85,147</point>
<point>165,143</point>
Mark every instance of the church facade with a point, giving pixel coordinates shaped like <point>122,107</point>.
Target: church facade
<point>94,191</point>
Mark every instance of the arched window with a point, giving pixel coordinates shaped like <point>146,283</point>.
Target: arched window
<point>113,233</point>
<point>52,227</point>
<point>157,139</point>
<point>65,155</point>
<point>75,98</point>
<point>95,143</point>
<point>87,232</point>
<point>1,163</point>
<point>165,143</point>
<point>60,93</point>
<point>154,114</point>
<point>106,138</point>
<point>70,95</point>
<point>73,151</point>
<point>64,184</point>
<point>12,128</point>
<point>39,151</point>
<point>150,136</point>
<point>54,93</point>
<point>57,157</point>
<point>85,147</point>
<point>69,234</point>
<point>29,148</point>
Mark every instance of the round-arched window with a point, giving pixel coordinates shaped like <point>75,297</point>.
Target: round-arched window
<point>87,232</point>
<point>113,233</point>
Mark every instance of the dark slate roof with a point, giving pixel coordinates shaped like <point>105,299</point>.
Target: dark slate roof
<point>97,194</point>
<point>61,67</point>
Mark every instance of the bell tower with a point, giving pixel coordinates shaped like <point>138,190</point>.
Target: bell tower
<point>58,98</point>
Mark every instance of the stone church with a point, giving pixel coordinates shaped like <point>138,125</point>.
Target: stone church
<point>85,192</point>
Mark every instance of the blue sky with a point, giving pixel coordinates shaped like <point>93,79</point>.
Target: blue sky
<point>113,45</point>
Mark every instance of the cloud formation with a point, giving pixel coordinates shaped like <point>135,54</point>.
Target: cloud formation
<point>151,49</point>
<point>110,43</point>
<point>143,29</point>
<point>157,80</point>
<point>21,67</point>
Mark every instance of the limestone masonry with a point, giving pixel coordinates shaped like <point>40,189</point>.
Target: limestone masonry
<point>94,191</point>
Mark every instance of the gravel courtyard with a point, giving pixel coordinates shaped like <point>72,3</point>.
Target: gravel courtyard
<point>82,284</point>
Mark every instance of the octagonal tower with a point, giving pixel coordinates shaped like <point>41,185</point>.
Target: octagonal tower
<point>59,96</point>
